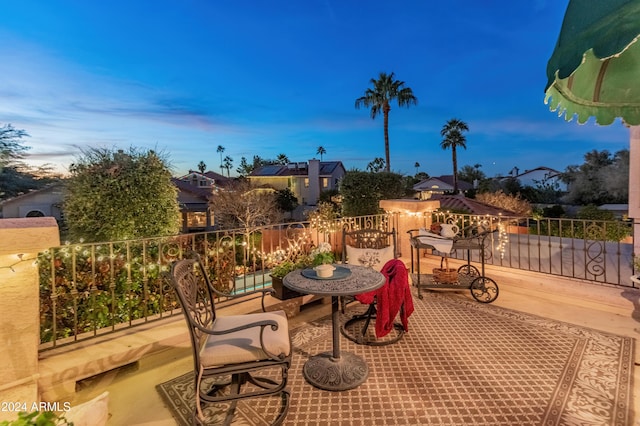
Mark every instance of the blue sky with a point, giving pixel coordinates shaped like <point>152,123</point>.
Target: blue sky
<point>278,76</point>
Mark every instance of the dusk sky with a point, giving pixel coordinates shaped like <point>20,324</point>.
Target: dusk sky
<point>271,77</point>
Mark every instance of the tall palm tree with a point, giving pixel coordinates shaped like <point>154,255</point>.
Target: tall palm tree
<point>228,163</point>
<point>386,89</point>
<point>453,138</point>
<point>202,166</point>
<point>417,166</point>
<point>321,151</point>
<point>220,150</point>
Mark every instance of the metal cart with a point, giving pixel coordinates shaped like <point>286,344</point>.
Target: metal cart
<point>483,289</point>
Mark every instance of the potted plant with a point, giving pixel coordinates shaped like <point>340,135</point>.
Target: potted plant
<point>318,256</point>
<point>277,274</point>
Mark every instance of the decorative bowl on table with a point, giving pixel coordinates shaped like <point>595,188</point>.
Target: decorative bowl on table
<point>325,270</point>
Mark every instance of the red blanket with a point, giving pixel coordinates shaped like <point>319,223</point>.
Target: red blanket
<point>390,297</point>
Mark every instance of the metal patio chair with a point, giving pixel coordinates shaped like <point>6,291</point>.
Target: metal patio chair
<point>231,350</point>
<point>373,248</point>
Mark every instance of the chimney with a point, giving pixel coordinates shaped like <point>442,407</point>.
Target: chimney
<point>314,182</point>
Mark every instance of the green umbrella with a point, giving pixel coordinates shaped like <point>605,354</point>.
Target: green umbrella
<point>594,71</point>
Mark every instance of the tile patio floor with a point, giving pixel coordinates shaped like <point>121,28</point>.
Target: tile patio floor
<point>135,401</point>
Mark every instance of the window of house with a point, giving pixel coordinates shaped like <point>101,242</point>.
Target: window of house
<point>325,182</point>
<point>196,219</point>
<point>306,182</point>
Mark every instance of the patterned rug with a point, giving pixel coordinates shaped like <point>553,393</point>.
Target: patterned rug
<point>462,362</point>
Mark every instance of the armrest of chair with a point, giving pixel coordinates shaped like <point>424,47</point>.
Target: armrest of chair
<point>262,291</point>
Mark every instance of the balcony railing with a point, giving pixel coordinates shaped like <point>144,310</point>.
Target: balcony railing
<point>88,290</point>
<point>593,250</point>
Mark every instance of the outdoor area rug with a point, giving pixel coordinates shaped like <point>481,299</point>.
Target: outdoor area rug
<point>462,362</point>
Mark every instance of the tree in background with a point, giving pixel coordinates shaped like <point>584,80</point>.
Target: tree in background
<point>228,163</point>
<point>603,178</point>
<point>244,206</point>
<point>202,166</point>
<point>11,147</point>
<point>385,90</point>
<point>471,173</point>
<point>417,166</point>
<point>16,177</point>
<point>244,169</point>
<point>286,200</point>
<point>375,166</point>
<point>220,150</point>
<point>321,151</point>
<point>453,138</point>
<point>362,191</point>
<point>117,195</point>
<point>282,159</point>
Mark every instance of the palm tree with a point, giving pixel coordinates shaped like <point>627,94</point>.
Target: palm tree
<point>386,89</point>
<point>376,165</point>
<point>220,150</point>
<point>321,151</point>
<point>282,159</point>
<point>202,166</point>
<point>228,163</point>
<point>417,166</point>
<point>453,138</point>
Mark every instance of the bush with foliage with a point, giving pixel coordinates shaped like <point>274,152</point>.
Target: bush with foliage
<point>116,195</point>
<point>512,203</point>
<point>362,191</point>
<point>37,418</point>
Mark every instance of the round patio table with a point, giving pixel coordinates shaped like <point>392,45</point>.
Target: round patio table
<point>335,370</point>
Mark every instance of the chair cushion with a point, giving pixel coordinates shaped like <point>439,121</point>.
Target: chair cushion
<point>244,346</point>
<point>374,258</point>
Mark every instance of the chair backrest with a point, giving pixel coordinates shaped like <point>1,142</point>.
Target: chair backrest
<point>369,247</point>
<point>196,297</point>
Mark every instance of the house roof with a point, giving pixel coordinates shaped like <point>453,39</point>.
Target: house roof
<point>200,192</point>
<point>444,183</point>
<point>462,203</point>
<point>551,173</point>
<point>295,169</point>
<point>48,188</point>
<point>219,179</point>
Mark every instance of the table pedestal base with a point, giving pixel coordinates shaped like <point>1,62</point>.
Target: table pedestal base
<point>325,372</point>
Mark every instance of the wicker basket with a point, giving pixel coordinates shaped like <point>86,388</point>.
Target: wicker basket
<point>446,275</point>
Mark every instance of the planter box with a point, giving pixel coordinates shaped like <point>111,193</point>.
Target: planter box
<point>282,292</point>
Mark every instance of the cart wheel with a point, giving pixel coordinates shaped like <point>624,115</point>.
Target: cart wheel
<point>484,289</point>
<point>469,270</point>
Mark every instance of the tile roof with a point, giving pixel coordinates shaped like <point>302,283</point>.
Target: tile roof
<point>198,191</point>
<point>462,203</point>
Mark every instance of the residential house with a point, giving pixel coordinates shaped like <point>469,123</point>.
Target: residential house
<point>536,177</point>
<point>194,190</point>
<point>306,180</point>
<point>37,203</point>
<point>439,185</point>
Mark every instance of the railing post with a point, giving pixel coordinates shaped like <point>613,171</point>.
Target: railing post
<point>20,242</point>
<point>634,186</point>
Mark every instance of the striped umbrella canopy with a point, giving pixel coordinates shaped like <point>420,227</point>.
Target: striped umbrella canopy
<point>594,70</point>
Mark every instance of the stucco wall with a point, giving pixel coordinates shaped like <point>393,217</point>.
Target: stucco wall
<point>20,242</point>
